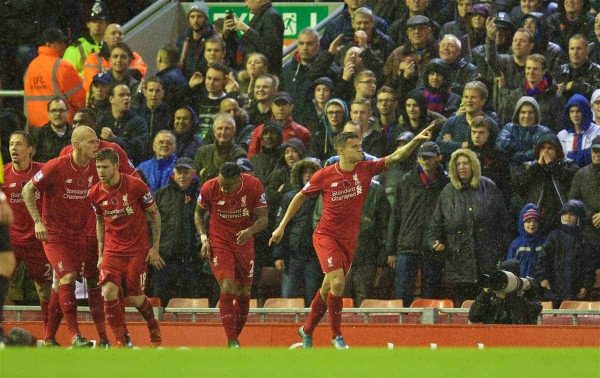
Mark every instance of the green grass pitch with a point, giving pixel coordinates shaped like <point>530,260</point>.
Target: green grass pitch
<point>321,362</point>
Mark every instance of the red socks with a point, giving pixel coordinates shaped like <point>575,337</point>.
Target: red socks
<point>44,313</point>
<point>54,316</point>
<point>318,308</point>
<point>243,306</point>
<point>228,316</point>
<point>122,304</point>
<point>96,304</point>
<point>68,306</point>
<point>114,315</point>
<point>335,305</point>
<point>148,313</point>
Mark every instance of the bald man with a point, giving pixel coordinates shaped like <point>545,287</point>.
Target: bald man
<point>64,183</point>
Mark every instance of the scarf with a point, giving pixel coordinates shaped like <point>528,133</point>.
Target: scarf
<point>538,89</point>
<point>434,101</point>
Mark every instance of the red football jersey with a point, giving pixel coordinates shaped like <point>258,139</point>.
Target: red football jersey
<point>122,207</point>
<point>22,229</point>
<point>64,187</point>
<point>343,196</point>
<point>233,212</point>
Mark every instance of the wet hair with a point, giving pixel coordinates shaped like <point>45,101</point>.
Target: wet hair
<point>55,99</point>
<point>229,170</point>
<point>342,138</point>
<point>108,154</point>
<point>171,54</point>
<point>539,58</point>
<point>25,135</point>
<point>123,46</point>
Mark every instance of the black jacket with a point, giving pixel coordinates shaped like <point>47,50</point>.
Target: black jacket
<point>513,309</point>
<point>47,143</point>
<point>586,187</point>
<point>157,119</point>
<point>131,132</point>
<point>178,233</point>
<point>585,78</point>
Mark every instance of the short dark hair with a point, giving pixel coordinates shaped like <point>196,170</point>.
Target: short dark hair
<point>216,39</point>
<point>219,67</point>
<point>25,135</point>
<point>54,99</point>
<point>481,122</point>
<point>155,79</point>
<point>340,140</point>
<point>229,170</point>
<point>108,154</point>
<point>172,54</point>
<point>123,46</point>
<point>89,113</point>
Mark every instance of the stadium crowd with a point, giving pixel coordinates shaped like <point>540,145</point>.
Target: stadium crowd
<point>509,89</point>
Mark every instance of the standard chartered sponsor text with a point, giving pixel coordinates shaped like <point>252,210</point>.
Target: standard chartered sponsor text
<point>75,194</point>
<point>344,194</point>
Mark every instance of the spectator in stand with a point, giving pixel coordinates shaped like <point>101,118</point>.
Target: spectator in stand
<point>519,137</point>
<point>565,267</point>
<point>437,90</point>
<point>543,7</point>
<point>461,71</point>
<point>595,104</point>
<point>494,162</point>
<point>455,132</point>
<point>528,245</point>
<point>180,278</point>
<point>573,17</point>
<point>416,197</point>
<point>414,115</point>
<point>295,255</point>
<point>243,129</point>
<point>153,109</point>
<point>120,59</point>
<point>468,226</point>
<point>321,93</point>
<point>477,16</point>
<point>173,80</point>
<point>335,115</point>
<point>205,94</point>
<point>185,122</point>
<point>191,42</point>
<point>580,75</point>
<point>50,139</point>
<point>91,41</point>
<point>48,76</point>
<point>579,132</point>
<point>595,45</point>
<point>422,46</point>
<point>265,89</point>
<point>263,34</point>
<point>373,141</point>
<point>342,23</point>
<point>364,87</point>
<point>458,26</point>
<point>390,179</point>
<point>255,66</point>
<point>537,26</point>
<point>281,107</point>
<point>123,126</point>
<point>387,121</point>
<point>538,84</point>
<point>399,28</point>
<point>214,52</point>
<point>545,181</point>
<point>210,157</point>
<point>159,169</point>
<point>97,98</point>
<point>585,188</point>
<point>265,161</point>
<point>98,62</point>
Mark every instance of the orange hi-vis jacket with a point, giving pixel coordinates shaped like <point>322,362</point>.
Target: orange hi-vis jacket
<point>95,63</point>
<point>49,76</point>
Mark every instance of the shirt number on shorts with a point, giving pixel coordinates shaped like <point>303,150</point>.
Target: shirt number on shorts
<point>251,272</point>
<point>143,281</point>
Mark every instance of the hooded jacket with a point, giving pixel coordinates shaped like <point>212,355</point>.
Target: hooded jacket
<point>441,100</point>
<point>526,247</point>
<point>519,141</point>
<point>425,118</point>
<point>469,219</point>
<point>547,185</point>
<point>568,137</point>
<point>321,144</point>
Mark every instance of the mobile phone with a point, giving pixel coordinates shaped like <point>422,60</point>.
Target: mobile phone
<point>229,14</point>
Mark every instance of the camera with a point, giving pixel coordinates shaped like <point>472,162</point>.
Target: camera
<point>505,282</point>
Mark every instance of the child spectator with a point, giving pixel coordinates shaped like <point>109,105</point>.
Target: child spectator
<point>527,246</point>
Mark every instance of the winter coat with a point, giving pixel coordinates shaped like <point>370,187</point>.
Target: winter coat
<point>47,143</point>
<point>567,262</point>
<point>195,49</point>
<point>415,203</point>
<point>586,187</point>
<point>461,72</point>
<point>210,157</point>
<point>131,132</point>
<point>561,29</point>
<point>187,144</point>
<point>582,154</point>
<point>157,119</point>
<point>526,247</point>
<point>177,207</point>
<point>513,309</point>
<point>157,171</point>
<point>458,127</point>
<point>585,79</point>
<point>470,220</point>
<point>342,24</point>
<point>174,84</point>
<point>321,143</point>
<point>518,141</point>
<point>546,186</point>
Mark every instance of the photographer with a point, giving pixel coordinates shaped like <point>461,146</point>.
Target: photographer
<point>506,298</point>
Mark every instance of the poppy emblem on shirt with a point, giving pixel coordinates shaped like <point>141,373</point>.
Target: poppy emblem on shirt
<point>80,181</point>
<point>346,184</point>
<point>114,201</point>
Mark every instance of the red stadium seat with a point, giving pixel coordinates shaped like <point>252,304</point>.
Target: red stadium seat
<point>432,303</point>
<point>284,303</point>
<point>188,303</point>
<point>348,302</point>
<point>580,305</point>
<point>154,301</point>
<point>547,305</point>
<point>382,303</point>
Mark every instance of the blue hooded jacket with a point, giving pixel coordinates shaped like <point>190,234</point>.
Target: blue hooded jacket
<point>526,247</point>
<point>582,155</point>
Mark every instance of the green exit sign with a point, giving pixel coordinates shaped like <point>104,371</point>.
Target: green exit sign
<point>295,17</point>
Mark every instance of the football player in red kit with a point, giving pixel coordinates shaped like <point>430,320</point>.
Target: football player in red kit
<point>344,186</point>
<point>124,206</point>
<point>237,209</point>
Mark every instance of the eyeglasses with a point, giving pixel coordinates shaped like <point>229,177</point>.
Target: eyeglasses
<point>55,111</point>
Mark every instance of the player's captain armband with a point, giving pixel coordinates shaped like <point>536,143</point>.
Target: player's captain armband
<point>148,198</point>
<point>263,199</point>
<point>38,176</point>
